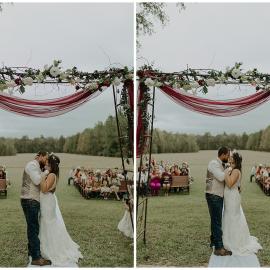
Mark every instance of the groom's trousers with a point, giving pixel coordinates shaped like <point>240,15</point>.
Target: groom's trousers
<point>215,206</point>
<point>31,210</point>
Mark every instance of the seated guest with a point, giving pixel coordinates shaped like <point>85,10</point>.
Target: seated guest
<point>143,189</point>
<point>2,173</point>
<point>161,166</point>
<point>77,176</point>
<point>259,173</point>
<point>90,174</point>
<point>109,173</point>
<point>176,171</point>
<point>116,170</point>
<point>96,185</point>
<point>155,180</point>
<point>7,179</point>
<point>184,169</point>
<point>88,187</point>
<point>265,173</point>
<point>84,177</point>
<point>115,184</point>
<point>89,183</point>
<point>166,180</point>
<point>105,190</point>
<point>267,185</point>
<point>71,175</point>
<point>252,173</point>
<point>98,174</point>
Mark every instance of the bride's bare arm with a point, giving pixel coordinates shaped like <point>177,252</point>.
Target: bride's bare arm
<point>232,178</point>
<point>47,183</point>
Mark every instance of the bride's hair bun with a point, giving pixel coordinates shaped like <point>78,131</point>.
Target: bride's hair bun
<point>55,158</point>
<point>54,162</point>
<point>237,155</point>
<point>238,159</point>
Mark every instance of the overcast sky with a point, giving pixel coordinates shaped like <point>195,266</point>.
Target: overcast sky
<point>89,36</point>
<point>210,36</point>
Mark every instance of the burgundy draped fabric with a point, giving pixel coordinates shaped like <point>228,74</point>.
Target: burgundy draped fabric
<point>131,95</point>
<point>131,105</point>
<point>45,108</point>
<point>140,131</point>
<point>222,108</point>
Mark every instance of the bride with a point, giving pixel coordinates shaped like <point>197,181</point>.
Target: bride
<point>236,235</point>
<point>55,242</point>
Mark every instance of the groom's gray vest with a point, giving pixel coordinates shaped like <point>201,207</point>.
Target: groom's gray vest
<point>213,185</point>
<point>29,189</point>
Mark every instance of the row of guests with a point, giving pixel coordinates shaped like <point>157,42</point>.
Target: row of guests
<point>97,183</point>
<point>261,173</point>
<point>160,177</point>
<point>4,174</point>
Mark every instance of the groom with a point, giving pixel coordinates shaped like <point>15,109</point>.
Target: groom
<point>32,177</point>
<point>215,184</point>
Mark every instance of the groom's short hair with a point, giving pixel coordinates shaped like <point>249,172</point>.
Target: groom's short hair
<point>42,153</point>
<point>223,150</point>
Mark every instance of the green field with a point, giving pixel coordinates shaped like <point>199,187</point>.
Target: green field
<point>91,223</point>
<point>179,225</point>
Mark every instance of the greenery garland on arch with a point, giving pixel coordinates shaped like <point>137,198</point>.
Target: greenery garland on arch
<point>195,80</point>
<point>18,78</point>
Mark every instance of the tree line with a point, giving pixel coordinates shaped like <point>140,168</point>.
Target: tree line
<point>168,142</point>
<point>102,140</point>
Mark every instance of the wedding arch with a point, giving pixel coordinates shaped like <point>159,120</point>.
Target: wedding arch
<point>87,86</point>
<point>182,87</point>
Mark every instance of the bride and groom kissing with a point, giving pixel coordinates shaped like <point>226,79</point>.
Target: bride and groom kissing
<point>48,240</point>
<point>229,229</point>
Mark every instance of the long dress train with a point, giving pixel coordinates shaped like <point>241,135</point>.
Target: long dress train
<point>55,242</point>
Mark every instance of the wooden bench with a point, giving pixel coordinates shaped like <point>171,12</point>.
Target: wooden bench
<point>180,182</point>
<point>3,187</point>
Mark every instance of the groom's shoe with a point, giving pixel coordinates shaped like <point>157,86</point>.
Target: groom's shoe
<point>222,252</point>
<point>41,262</point>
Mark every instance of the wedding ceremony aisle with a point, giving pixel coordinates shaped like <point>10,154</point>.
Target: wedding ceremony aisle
<point>89,222</point>
<point>178,227</point>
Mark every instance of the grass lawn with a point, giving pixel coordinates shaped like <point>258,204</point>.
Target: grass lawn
<point>179,225</point>
<point>91,223</point>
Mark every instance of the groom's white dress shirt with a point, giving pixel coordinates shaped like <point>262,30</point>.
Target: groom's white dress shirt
<point>32,177</point>
<point>215,178</point>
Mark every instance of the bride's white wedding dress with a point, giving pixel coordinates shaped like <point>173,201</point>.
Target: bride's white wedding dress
<point>236,235</point>
<point>55,242</point>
